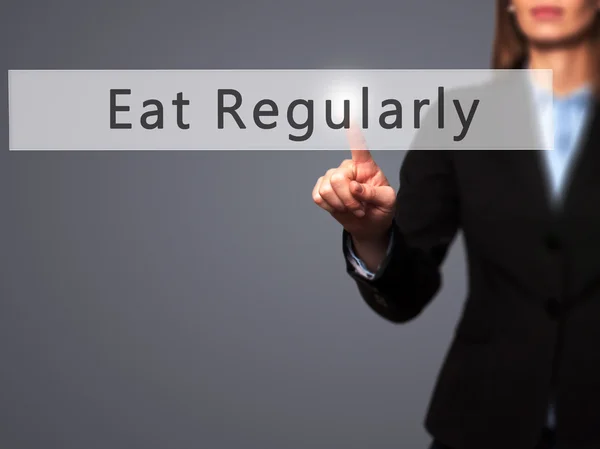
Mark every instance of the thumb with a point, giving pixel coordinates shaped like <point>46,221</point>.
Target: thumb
<point>382,196</point>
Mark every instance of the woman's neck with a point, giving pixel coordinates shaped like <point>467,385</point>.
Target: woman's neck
<point>572,68</point>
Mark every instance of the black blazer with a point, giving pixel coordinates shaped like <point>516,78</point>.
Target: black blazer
<point>530,328</point>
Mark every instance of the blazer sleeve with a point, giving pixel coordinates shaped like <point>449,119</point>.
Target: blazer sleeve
<point>426,221</point>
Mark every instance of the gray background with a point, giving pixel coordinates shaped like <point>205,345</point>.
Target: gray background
<point>199,299</point>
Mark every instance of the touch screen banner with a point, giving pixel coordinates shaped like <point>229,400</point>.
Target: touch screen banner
<point>274,109</point>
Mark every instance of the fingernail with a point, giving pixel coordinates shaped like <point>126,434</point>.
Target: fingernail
<point>359,188</point>
<point>359,213</point>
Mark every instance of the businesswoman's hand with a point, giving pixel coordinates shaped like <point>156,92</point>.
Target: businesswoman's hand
<point>357,194</point>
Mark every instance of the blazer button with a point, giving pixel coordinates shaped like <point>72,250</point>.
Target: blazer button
<point>380,299</point>
<point>552,242</point>
<point>553,308</point>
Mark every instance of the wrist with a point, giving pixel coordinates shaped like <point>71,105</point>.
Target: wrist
<point>373,240</point>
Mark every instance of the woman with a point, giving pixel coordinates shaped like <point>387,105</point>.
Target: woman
<point>523,370</point>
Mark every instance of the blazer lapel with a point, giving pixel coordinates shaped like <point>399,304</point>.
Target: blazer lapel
<point>585,167</point>
<point>528,165</point>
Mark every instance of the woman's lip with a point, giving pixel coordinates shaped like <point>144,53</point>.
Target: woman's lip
<point>546,12</point>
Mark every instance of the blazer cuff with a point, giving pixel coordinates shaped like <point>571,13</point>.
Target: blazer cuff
<point>357,269</point>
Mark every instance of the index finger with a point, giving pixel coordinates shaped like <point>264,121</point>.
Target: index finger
<point>358,145</point>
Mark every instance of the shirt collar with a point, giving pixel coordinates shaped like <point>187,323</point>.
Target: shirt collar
<point>544,95</point>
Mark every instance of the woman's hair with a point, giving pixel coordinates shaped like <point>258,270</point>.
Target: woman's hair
<point>510,46</point>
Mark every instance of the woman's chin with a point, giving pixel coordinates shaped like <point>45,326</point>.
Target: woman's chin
<point>552,38</point>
